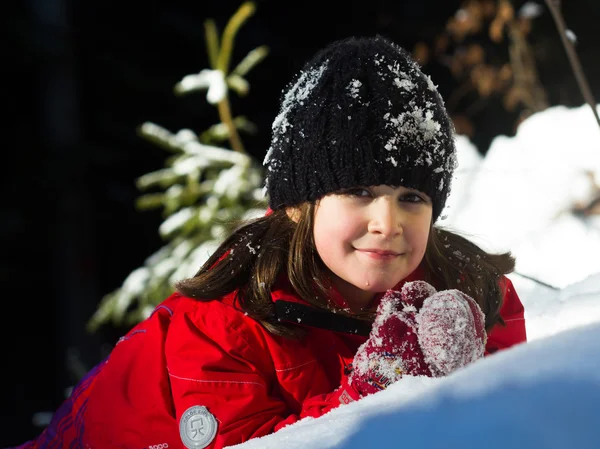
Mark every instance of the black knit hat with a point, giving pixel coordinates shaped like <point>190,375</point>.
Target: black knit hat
<point>360,113</point>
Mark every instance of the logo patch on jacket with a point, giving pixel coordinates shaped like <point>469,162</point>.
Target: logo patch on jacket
<point>197,427</point>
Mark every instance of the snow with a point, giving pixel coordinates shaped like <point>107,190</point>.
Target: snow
<point>571,36</point>
<point>213,80</point>
<point>519,197</point>
<point>176,221</point>
<point>293,98</point>
<point>449,334</point>
<point>530,10</point>
<point>542,394</point>
<point>353,88</point>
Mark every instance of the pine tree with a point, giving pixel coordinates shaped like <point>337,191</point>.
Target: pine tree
<point>205,184</point>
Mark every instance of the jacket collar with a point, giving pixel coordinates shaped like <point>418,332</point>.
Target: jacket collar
<point>289,308</point>
<point>283,291</point>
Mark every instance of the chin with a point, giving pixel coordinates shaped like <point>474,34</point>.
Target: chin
<point>378,287</point>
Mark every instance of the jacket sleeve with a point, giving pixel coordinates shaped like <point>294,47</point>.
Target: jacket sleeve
<point>220,360</point>
<point>513,331</point>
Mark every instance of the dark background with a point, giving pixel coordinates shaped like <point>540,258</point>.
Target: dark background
<point>79,77</point>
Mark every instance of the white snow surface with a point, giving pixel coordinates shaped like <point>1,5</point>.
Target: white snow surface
<point>541,394</point>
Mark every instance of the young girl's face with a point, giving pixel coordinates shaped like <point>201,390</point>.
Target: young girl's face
<point>371,238</point>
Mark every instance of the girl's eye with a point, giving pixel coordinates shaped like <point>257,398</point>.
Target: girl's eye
<point>412,198</point>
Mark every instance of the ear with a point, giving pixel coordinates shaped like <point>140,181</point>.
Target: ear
<point>293,213</point>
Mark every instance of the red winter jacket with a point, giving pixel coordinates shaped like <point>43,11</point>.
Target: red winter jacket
<point>190,354</point>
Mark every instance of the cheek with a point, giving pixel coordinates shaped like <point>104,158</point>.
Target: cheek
<point>331,230</point>
<point>327,235</point>
<point>419,238</point>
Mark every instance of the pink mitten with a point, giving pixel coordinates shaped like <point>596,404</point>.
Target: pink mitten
<point>451,331</point>
<point>418,332</point>
<point>392,348</point>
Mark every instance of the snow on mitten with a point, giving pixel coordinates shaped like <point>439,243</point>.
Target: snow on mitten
<point>419,332</point>
<point>451,331</point>
<point>392,348</point>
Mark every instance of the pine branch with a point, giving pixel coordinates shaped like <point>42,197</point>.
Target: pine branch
<point>231,29</point>
<point>242,14</point>
<point>554,6</point>
<point>205,187</point>
<point>227,119</point>
<point>212,42</point>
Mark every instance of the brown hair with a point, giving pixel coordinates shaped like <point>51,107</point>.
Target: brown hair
<point>255,253</point>
<point>454,262</point>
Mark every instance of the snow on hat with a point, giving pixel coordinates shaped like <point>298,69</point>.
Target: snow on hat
<point>360,113</point>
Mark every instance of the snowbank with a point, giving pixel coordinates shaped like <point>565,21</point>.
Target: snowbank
<point>518,197</point>
<point>543,394</point>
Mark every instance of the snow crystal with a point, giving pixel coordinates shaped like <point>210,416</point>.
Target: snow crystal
<point>417,124</point>
<point>404,84</point>
<point>353,88</point>
<point>401,79</point>
<point>458,254</point>
<point>392,160</point>
<point>432,87</point>
<point>409,308</point>
<point>415,292</point>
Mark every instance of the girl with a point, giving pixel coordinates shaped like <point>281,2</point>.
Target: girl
<point>343,287</point>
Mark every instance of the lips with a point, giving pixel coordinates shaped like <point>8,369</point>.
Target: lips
<point>380,255</point>
<point>380,252</point>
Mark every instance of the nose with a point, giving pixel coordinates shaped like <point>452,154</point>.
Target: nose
<point>385,218</point>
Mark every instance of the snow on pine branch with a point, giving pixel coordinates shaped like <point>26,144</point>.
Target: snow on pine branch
<point>203,188</point>
<point>213,80</point>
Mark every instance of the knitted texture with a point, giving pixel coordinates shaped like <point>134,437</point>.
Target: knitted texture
<point>418,332</point>
<point>360,113</point>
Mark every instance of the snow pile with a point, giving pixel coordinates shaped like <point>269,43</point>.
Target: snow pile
<point>519,198</point>
<point>520,195</point>
<point>543,394</point>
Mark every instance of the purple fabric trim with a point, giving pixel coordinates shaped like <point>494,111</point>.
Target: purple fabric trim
<point>127,337</point>
<point>54,436</point>
<point>163,307</point>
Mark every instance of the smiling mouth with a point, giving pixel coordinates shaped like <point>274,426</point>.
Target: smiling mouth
<point>378,251</point>
<point>379,254</point>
